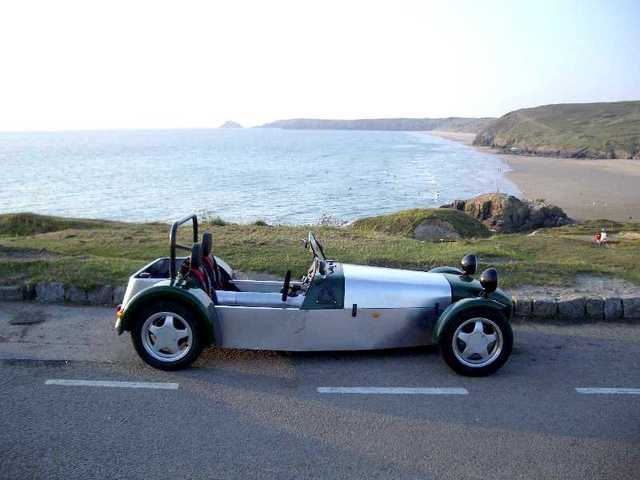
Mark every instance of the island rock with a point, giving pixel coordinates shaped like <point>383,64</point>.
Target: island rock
<point>230,124</point>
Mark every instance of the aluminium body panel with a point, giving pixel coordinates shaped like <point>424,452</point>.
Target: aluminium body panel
<point>292,329</point>
<point>257,299</point>
<point>136,285</point>
<point>377,287</point>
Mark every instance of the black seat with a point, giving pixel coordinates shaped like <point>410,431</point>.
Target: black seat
<point>209,263</point>
<point>220,278</point>
<point>195,272</point>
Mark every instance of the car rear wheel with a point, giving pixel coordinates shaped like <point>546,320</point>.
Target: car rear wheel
<point>477,342</point>
<point>167,336</point>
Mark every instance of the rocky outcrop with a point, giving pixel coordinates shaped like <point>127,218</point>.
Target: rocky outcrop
<point>508,214</point>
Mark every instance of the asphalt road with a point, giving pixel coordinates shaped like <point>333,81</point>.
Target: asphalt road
<point>240,414</point>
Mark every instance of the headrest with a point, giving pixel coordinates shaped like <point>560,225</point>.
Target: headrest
<point>196,255</point>
<point>207,244</point>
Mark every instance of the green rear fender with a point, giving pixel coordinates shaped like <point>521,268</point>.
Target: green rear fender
<point>205,315</point>
<point>453,310</point>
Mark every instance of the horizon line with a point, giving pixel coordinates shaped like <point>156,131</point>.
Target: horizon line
<point>109,129</point>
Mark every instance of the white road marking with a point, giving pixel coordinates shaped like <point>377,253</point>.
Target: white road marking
<point>107,383</point>
<point>609,391</point>
<point>394,390</point>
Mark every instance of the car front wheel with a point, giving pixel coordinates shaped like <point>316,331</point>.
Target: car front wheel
<point>167,336</point>
<point>477,342</point>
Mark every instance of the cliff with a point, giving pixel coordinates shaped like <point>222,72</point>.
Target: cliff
<point>577,130</point>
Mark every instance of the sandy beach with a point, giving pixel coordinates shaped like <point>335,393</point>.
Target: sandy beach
<point>585,189</point>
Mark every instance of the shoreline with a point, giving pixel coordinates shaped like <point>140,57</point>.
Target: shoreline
<point>583,188</point>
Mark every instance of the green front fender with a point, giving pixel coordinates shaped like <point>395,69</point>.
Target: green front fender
<point>456,308</point>
<point>206,315</point>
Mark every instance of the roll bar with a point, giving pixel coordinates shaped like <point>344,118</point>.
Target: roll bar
<point>173,233</point>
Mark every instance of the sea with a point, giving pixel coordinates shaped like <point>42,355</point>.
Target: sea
<point>240,175</point>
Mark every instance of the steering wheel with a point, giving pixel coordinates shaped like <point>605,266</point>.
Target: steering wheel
<point>316,247</point>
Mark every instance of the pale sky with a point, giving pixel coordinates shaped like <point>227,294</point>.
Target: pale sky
<point>136,64</point>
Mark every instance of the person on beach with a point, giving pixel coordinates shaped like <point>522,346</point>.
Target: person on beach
<point>601,237</point>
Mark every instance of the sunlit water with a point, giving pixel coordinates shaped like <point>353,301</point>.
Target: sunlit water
<point>280,176</point>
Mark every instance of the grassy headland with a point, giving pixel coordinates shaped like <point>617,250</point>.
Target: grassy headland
<point>87,253</point>
<point>404,223</point>
<point>578,130</point>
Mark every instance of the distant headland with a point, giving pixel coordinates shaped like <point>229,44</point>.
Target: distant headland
<point>230,124</point>
<point>452,124</point>
<point>573,130</point>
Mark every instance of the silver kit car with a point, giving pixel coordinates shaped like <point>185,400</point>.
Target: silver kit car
<point>176,306</point>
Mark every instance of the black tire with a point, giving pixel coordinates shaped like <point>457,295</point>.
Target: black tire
<point>447,347</point>
<point>187,316</point>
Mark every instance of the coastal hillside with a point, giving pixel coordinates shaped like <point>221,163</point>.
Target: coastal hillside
<point>577,130</point>
<point>452,124</point>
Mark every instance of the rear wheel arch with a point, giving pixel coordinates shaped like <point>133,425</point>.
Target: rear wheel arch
<point>143,301</point>
<point>178,337</point>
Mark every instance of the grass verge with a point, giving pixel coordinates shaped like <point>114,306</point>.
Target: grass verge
<point>87,253</point>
